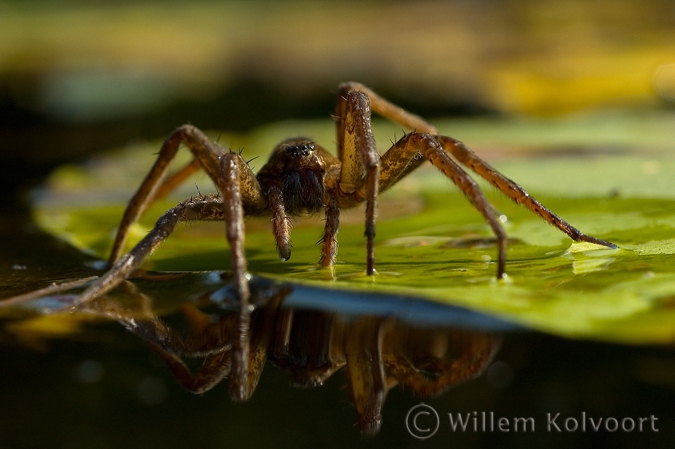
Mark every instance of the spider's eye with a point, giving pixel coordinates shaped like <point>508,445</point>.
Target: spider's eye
<point>302,149</point>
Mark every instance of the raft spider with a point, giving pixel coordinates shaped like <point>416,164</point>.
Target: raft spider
<point>302,177</point>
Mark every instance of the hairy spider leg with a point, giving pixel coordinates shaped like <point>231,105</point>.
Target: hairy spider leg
<point>207,153</point>
<point>409,152</point>
<point>514,191</point>
<point>199,209</point>
<point>382,107</point>
<point>365,372</point>
<point>356,149</point>
<point>360,164</point>
<point>228,184</point>
<point>463,154</point>
<point>177,179</point>
<point>212,341</point>
<point>202,208</point>
<point>207,339</point>
<point>219,360</point>
<point>403,157</point>
<point>239,189</point>
<point>213,370</point>
<point>468,356</point>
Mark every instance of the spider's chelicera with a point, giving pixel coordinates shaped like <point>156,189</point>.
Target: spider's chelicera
<point>302,177</point>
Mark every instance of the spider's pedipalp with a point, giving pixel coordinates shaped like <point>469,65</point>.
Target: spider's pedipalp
<point>281,223</point>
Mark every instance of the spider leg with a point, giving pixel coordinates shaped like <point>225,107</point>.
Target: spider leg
<point>170,346</point>
<point>513,190</point>
<point>329,243</point>
<point>177,178</point>
<point>365,373</point>
<point>360,162</point>
<point>228,184</point>
<point>209,208</point>
<point>213,370</point>
<point>380,106</point>
<point>358,155</point>
<point>230,209</point>
<point>210,341</point>
<point>207,153</point>
<point>409,152</point>
<point>469,355</point>
<point>219,354</point>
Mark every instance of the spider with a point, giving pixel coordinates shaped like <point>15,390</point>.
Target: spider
<point>301,177</point>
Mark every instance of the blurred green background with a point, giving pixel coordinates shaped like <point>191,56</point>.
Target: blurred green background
<point>76,77</point>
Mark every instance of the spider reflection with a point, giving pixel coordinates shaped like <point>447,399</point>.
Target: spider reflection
<point>375,353</point>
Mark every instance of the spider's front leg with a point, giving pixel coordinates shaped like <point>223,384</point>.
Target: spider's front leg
<point>206,156</point>
<point>354,137</point>
<point>360,162</point>
<point>364,173</point>
<point>239,190</point>
<point>360,177</point>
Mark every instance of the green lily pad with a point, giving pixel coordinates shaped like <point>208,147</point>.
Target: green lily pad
<point>430,242</point>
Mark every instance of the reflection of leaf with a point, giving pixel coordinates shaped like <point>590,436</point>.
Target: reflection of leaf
<point>439,248</point>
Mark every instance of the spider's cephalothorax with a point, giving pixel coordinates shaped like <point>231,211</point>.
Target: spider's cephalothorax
<point>303,177</point>
<point>296,171</point>
<point>294,181</point>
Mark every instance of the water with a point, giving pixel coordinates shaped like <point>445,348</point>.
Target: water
<point>72,380</point>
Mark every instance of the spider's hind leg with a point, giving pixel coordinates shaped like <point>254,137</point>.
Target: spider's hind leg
<point>513,190</point>
<point>411,150</point>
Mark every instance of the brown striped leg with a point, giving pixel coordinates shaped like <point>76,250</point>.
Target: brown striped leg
<point>227,182</point>
<point>204,208</point>
<point>329,243</point>
<point>281,223</point>
<point>360,162</point>
<point>409,151</point>
<point>513,190</point>
<point>206,152</point>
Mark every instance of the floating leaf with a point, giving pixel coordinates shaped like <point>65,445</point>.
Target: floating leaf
<point>431,243</point>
